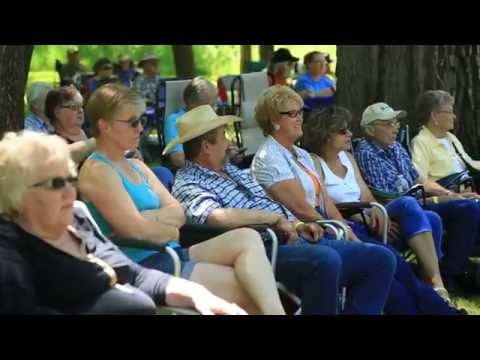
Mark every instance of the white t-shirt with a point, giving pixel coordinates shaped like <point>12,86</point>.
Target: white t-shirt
<point>458,165</point>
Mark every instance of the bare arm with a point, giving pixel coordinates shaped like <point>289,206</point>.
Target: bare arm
<point>291,194</point>
<point>80,150</point>
<point>233,218</point>
<point>171,212</point>
<point>103,187</point>
<point>366,194</point>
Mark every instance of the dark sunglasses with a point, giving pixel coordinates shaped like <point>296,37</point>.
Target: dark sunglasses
<point>56,183</point>
<point>293,113</point>
<point>133,123</point>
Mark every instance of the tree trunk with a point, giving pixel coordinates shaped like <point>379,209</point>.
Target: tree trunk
<point>398,74</point>
<point>14,65</point>
<point>184,61</point>
<point>266,52</point>
<point>245,57</point>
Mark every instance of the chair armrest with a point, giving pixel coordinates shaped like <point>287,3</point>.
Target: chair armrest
<point>194,234</point>
<point>352,208</point>
<point>150,245</point>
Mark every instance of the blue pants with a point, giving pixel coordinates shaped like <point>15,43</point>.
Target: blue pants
<point>461,221</point>
<point>164,175</point>
<point>408,294</point>
<point>316,272</point>
<point>414,220</point>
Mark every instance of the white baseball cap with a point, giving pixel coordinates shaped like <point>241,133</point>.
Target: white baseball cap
<point>380,111</point>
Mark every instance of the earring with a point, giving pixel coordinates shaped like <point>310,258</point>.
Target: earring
<point>276,127</point>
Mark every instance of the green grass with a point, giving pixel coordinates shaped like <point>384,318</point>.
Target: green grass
<point>471,304</point>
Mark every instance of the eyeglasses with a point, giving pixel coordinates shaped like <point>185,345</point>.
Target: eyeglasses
<point>344,131</point>
<point>133,123</point>
<point>73,106</point>
<point>293,113</point>
<point>56,183</point>
<point>390,124</point>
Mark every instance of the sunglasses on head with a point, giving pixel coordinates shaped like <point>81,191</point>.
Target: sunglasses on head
<point>56,183</point>
<point>133,123</point>
<point>292,113</point>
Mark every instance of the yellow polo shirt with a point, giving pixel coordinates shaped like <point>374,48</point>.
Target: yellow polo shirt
<point>432,159</point>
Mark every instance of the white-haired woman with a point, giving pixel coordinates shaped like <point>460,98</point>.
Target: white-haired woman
<point>128,200</point>
<point>54,260</point>
<point>37,120</point>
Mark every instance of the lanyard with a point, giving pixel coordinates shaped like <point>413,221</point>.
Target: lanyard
<point>316,185</point>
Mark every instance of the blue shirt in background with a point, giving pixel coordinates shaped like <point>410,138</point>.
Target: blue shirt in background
<point>306,82</point>
<point>170,129</point>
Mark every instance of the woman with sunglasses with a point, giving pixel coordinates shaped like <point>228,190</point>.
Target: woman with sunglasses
<point>288,174</point>
<point>53,259</point>
<point>282,168</point>
<point>126,199</point>
<point>328,139</point>
<point>64,109</point>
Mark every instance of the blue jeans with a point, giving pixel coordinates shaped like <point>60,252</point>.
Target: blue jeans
<point>461,221</point>
<point>414,220</point>
<point>317,272</point>
<point>408,295</point>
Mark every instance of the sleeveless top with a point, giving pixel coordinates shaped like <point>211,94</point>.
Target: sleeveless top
<point>341,189</point>
<point>141,194</point>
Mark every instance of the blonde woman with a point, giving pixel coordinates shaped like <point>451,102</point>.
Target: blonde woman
<point>127,199</point>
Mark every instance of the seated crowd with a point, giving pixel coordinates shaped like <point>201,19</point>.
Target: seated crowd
<point>83,226</point>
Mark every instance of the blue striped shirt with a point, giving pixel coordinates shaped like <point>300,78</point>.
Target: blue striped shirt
<point>381,167</point>
<point>34,123</point>
<point>201,191</point>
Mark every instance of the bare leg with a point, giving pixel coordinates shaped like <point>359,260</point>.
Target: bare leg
<point>423,247</point>
<point>243,250</point>
<point>221,281</point>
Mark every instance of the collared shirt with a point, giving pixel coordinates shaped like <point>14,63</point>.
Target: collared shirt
<point>34,123</point>
<point>381,167</point>
<point>170,129</point>
<point>201,191</point>
<point>433,159</point>
<point>273,163</point>
<point>147,87</point>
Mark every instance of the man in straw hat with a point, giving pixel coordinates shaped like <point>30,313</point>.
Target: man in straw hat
<point>146,84</point>
<point>215,192</point>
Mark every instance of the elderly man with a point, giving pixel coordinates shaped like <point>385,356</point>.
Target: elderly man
<point>147,83</point>
<point>198,92</point>
<point>218,193</point>
<point>386,167</point>
<point>37,120</point>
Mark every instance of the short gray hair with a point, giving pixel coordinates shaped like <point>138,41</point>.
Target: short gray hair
<point>17,164</point>
<point>36,95</point>
<point>197,91</point>
<point>431,101</point>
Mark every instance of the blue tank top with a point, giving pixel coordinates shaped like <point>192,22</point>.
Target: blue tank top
<point>141,194</point>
